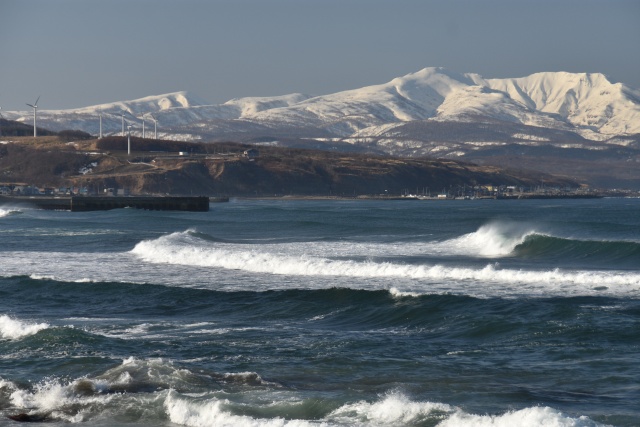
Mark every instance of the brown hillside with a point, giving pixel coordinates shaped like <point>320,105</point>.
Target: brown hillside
<point>221,168</point>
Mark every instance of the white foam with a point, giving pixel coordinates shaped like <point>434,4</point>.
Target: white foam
<point>6,384</point>
<point>528,417</point>
<point>157,372</point>
<point>7,212</point>
<point>166,250</point>
<point>489,241</point>
<point>106,395</point>
<point>187,260</point>
<point>393,409</point>
<point>396,293</point>
<point>55,278</point>
<point>213,412</point>
<point>396,409</point>
<point>61,400</point>
<point>139,385</point>
<point>16,329</point>
<point>497,239</point>
<point>252,378</point>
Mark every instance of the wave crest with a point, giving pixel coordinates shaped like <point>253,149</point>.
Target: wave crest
<point>528,417</point>
<point>155,389</point>
<point>174,249</point>
<point>536,245</point>
<point>7,212</point>
<point>16,329</point>
<point>492,240</point>
<point>393,409</point>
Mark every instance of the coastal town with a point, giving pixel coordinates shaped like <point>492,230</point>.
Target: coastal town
<point>479,192</point>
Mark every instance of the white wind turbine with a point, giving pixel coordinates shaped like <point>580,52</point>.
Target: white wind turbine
<point>142,118</point>
<point>100,112</point>
<point>35,109</point>
<point>122,114</point>
<point>129,140</point>
<point>155,126</point>
<point>1,117</point>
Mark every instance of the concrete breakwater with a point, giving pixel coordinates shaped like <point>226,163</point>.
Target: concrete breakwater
<point>99,203</point>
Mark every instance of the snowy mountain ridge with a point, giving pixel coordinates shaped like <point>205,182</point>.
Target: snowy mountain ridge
<point>584,104</point>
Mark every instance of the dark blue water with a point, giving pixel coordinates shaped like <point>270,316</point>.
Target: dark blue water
<point>323,313</point>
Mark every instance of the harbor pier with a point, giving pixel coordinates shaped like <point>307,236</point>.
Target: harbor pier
<point>103,203</point>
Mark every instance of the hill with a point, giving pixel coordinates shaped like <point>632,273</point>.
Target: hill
<point>185,168</point>
<point>13,128</point>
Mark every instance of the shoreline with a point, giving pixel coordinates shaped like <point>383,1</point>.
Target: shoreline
<point>193,203</point>
<point>420,198</point>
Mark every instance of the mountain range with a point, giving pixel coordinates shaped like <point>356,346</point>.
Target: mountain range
<point>433,112</point>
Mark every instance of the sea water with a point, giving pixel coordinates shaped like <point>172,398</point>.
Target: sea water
<point>323,313</point>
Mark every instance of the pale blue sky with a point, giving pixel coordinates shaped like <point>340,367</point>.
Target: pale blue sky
<point>76,53</point>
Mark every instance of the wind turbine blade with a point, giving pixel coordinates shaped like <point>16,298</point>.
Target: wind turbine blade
<point>36,103</point>
<point>32,106</point>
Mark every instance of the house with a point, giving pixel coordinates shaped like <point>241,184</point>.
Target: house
<point>26,190</point>
<point>251,153</point>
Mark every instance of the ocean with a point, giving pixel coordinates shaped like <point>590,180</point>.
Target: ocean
<point>323,313</point>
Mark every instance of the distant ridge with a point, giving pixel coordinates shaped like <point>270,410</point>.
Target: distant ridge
<point>147,104</point>
<point>394,117</point>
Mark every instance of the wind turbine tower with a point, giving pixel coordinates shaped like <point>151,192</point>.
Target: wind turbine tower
<point>142,118</point>
<point>155,126</point>
<point>100,137</point>
<point>35,109</point>
<point>129,140</point>
<point>1,117</point>
<point>122,114</point>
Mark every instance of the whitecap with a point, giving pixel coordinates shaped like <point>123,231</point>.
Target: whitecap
<point>8,212</point>
<point>396,293</point>
<point>393,409</point>
<point>15,329</point>
<point>527,417</point>
<point>493,240</point>
<point>193,412</point>
<point>58,400</point>
<point>167,251</point>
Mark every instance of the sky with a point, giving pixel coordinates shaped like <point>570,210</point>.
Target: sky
<point>78,53</point>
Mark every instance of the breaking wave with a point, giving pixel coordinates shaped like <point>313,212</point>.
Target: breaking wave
<point>154,391</point>
<point>135,383</point>
<point>505,239</point>
<point>15,329</point>
<point>6,212</point>
<point>393,409</point>
<point>174,249</point>
<point>490,241</point>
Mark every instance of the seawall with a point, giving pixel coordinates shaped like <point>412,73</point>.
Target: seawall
<point>100,203</point>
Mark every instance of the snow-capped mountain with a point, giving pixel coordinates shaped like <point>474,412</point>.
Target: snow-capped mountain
<point>407,113</point>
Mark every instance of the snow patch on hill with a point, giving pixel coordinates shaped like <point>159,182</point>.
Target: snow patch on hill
<point>588,101</point>
<point>250,106</point>
<point>149,104</point>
